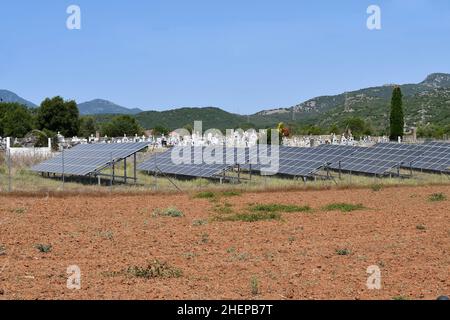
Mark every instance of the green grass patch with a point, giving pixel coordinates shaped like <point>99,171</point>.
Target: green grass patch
<point>44,248</point>
<point>250,217</point>
<point>231,193</point>
<point>199,222</point>
<point>155,269</point>
<point>274,207</point>
<point>169,212</point>
<point>344,207</point>
<point>205,195</point>
<point>254,285</point>
<point>436,197</point>
<point>376,187</point>
<point>343,252</point>
<point>225,208</point>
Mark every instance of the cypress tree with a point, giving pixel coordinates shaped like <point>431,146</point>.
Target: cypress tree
<point>397,121</point>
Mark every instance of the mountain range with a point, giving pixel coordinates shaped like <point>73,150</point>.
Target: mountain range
<point>424,102</point>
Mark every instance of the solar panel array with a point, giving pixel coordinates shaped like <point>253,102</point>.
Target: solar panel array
<point>304,162</point>
<point>202,162</point>
<point>84,159</point>
<point>291,161</point>
<point>209,162</point>
<point>379,159</point>
<point>435,157</point>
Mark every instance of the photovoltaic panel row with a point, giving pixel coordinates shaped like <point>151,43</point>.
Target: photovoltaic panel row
<point>435,157</point>
<point>202,162</point>
<point>304,162</point>
<point>87,158</point>
<point>379,159</point>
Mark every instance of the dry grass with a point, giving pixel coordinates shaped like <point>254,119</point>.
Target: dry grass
<point>27,183</point>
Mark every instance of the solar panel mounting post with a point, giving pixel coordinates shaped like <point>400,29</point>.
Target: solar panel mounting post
<point>125,170</point>
<point>134,166</point>
<point>9,170</point>
<point>63,175</point>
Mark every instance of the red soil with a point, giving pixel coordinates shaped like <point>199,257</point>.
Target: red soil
<point>401,231</point>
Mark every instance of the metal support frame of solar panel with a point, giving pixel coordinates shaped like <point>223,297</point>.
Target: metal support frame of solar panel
<point>303,162</point>
<point>86,159</point>
<point>163,163</point>
<point>435,158</point>
<point>378,160</point>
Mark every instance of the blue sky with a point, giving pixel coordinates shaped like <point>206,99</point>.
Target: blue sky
<point>242,56</point>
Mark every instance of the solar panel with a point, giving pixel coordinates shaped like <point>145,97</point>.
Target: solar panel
<point>379,159</point>
<point>201,162</point>
<point>435,157</point>
<point>88,158</point>
<point>304,162</point>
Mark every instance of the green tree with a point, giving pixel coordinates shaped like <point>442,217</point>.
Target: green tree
<point>88,126</point>
<point>121,125</point>
<point>58,115</point>
<point>16,120</point>
<point>358,126</point>
<point>397,121</point>
<point>159,130</point>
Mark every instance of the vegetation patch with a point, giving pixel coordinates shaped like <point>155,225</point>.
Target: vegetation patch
<point>344,207</point>
<point>254,285</point>
<point>343,252</point>
<point>225,208</point>
<point>250,217</point>
<point>376,187</point>
<point>274,207</point>
<point>421,227</point>
<point>155,269</point>
<point>199,222</point>
<point>2,250</point>
<point>436,197</point>
<point>19,210</point>
<point>205,195</point>
<point>169,212</point>
<point>231,193</point>
<point>44,248</point>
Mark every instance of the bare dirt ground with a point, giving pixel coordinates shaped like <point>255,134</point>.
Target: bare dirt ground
<point>400,230</point>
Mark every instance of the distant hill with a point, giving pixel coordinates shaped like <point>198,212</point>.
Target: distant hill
<point>8,96</point>
<point>425,102</point>
<point>178,118</point>
<point>99,106</point>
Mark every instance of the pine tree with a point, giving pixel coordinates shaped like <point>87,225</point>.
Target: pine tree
<point>397,121</point>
